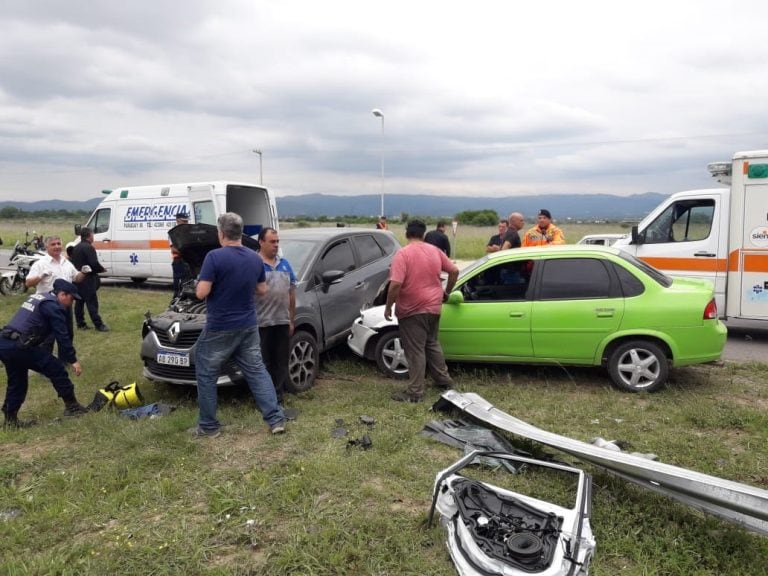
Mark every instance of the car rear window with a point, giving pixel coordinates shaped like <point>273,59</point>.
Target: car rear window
<point>367,249</point>
<point>657,275</point>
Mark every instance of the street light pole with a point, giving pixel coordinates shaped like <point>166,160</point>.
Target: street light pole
<point>379,114</point>
<point>261,173</point>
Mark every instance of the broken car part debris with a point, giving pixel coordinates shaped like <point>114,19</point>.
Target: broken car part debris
<point>492,530</point>
<point>739,503</point>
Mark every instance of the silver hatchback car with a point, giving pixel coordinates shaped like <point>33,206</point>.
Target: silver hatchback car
<point>339,272</point>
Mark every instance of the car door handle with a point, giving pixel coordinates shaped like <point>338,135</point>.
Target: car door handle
<point>359,285</point>
<point>515,314</point>
<point>604,312</point>
<point>705,254</point>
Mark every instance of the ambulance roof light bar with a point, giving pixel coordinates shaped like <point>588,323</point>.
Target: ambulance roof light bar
<point>721,171</point>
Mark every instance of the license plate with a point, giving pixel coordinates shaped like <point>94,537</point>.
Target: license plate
<point>173,358</point>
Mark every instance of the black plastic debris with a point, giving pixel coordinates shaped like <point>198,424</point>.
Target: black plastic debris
<point>365,442</point>
<point>339,430</point>
<point>470,437</point>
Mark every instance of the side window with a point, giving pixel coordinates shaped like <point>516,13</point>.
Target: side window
<point>683,221</point>
<point>367,249</point>
<point>204,212</point>
<point>338,257</point>
<point>630,284</point>
<point>99,223</point>
<point>504,282</point>
<point>574,278</point>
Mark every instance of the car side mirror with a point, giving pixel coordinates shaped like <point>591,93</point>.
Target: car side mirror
<point>78,227</point>
<point>455,297</point>
<point>330,277</point>
<point>637,238</point>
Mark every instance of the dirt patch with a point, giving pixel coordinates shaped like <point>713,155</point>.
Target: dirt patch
<point>245,449</point>
<point>34,449</point>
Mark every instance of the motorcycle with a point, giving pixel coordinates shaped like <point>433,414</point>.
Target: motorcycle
<point>15,281</point>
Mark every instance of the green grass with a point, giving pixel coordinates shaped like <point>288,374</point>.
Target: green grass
<point>105,495</point>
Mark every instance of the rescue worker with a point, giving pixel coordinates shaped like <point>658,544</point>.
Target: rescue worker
<point>544,233</point>
<point>39,316</point>
<point>180,268</point>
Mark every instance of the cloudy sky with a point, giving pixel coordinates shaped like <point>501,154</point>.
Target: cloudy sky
<point>493,97</point>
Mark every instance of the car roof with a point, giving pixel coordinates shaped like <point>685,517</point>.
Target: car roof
<point>571,249</point>
<point>327,232</point>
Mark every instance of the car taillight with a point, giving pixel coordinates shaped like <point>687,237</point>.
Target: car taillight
<point>710,312</point>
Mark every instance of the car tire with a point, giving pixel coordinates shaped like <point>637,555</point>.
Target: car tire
<point>390,356</point>
<point>638,366</point>
<point>303,362</point>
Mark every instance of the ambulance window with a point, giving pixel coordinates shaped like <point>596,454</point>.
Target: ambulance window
<point>99,222</point>
<point>684,221</point>
<point>204,212</point>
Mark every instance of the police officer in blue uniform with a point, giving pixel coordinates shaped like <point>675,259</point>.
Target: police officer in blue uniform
<point>40,316</point>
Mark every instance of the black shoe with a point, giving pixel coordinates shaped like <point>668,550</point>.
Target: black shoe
<point>405,397</point>
<point>74,408</point>
<point>102,328</point>
<point>12,421</point>
<point>83,327</point>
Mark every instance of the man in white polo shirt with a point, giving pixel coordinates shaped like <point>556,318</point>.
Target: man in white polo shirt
<point>50,267</point>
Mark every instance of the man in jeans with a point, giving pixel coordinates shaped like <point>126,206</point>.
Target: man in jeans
<point>230,278</point>
<point>415,285</point>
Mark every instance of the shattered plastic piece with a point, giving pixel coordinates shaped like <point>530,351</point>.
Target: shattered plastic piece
<point>492,530</point>
<point>603,443</point>
<point>365,442</point>
<point>367,420</point>
<point>339,431</point>
<point>739,503</point>
<point>469,438</point>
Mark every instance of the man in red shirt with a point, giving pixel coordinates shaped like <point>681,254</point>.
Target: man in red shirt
<point>417,289</point>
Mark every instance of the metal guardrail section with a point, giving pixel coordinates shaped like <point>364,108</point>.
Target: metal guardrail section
<point>739,503</point>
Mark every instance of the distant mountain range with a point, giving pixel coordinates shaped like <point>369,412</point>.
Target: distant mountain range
<point>579,206</point>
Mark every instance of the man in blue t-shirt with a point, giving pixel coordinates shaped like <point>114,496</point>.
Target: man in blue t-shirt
<point>229,279</point>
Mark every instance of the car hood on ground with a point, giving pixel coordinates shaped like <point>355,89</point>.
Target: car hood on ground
<point>194,241</point>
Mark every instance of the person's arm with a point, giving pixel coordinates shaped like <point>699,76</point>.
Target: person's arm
<point>203,288</point>
<point>557,237</point>
<point>392,294</point>
<point>453,275</point>
<point>57,320</point>
<point>291,309</point>
<point>36,274</point>
<point>261,288</point>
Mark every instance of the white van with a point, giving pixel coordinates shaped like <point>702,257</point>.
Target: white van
<point>719,234</point>
<point>130,226</point>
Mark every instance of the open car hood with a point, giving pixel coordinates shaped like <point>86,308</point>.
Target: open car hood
<point>194,241</point>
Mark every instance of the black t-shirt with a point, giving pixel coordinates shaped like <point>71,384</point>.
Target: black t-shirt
<point>513,238</point>
<point>439,239</point>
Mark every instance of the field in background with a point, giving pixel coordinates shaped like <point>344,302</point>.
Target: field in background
<point>103,494</point>
<point>468,244</point>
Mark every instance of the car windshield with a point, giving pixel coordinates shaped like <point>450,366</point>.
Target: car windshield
<point>657,275</point>
<point>296,252</point>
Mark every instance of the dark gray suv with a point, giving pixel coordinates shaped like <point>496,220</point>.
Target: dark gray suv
<point>339,272</point>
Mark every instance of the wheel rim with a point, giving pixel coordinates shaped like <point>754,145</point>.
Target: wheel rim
<point>302,365</point>
<point>639,368</point>
<point>393,357</point>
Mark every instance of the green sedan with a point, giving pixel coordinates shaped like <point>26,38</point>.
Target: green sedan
<point>570,305</point>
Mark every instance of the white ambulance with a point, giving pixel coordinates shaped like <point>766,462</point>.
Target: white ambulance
<point>719,234</point>
<point>130,226</point>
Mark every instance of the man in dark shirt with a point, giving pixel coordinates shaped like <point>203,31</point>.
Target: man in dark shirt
<point>438,237</point>
<point>496,241</point>
<point>512,237</point>
<point>39,317</point>
<point>85,259</point>
<point>230,278</point>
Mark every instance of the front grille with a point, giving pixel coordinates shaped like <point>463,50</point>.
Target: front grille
<point>179,373</point>
<point>185,341</point>
<point>165,372</point>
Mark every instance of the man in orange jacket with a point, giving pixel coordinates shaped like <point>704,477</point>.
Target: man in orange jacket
<point>544,233</point>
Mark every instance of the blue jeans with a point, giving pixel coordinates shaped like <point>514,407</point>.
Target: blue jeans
<point>214,348</point>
